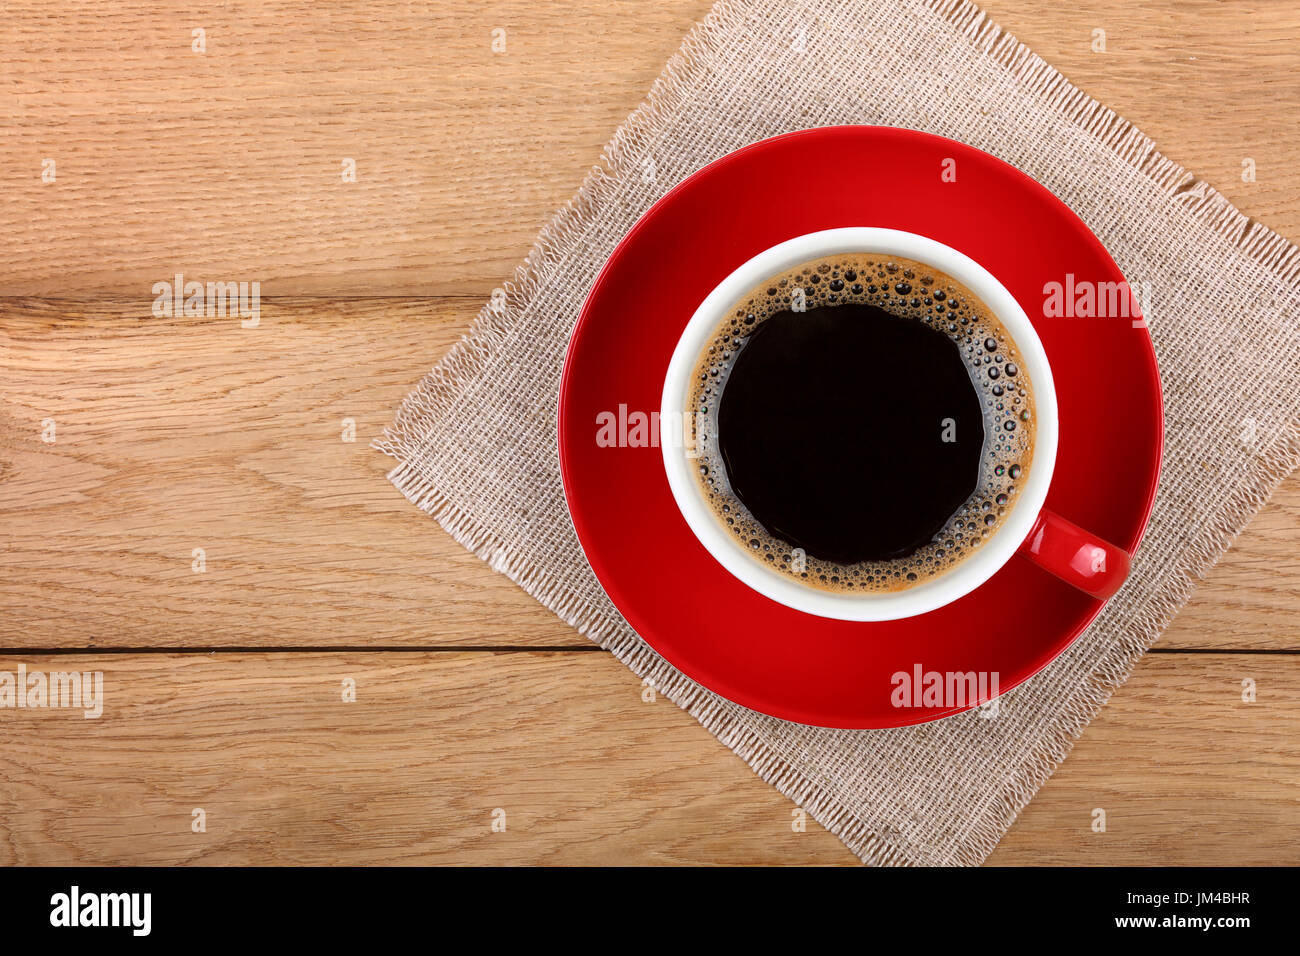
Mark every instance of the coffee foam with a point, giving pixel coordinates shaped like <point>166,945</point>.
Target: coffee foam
<point>909,289</point>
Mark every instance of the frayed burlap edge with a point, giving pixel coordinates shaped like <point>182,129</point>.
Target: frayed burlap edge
<point>439,388</point>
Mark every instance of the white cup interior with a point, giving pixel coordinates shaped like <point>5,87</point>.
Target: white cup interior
<point>935,592</point>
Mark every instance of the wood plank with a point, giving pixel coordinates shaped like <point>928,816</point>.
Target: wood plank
<point>585,770</point>
<point>173,435</point>
<point>1251,598</point>
<point>1187,772</point>
<point>411,773</point>
<point>227,164</point>
<point>176,434</point>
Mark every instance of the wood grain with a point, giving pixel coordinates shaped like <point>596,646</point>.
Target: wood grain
<point>1188,773</point>
<point>584,768</point>
<point>172,435</point>
<point>177,434</point>
<point>228,164</point>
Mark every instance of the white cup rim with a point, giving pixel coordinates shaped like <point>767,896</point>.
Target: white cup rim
<point>968,574</point>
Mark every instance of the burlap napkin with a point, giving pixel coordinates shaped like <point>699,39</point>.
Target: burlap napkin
<point>476,439</point>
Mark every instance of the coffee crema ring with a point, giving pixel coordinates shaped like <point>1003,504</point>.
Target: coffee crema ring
<point>905,289</point>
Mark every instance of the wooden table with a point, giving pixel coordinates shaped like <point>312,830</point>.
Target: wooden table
<point>224,687</point>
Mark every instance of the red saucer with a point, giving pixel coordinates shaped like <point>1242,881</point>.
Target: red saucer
<point>716,630</point>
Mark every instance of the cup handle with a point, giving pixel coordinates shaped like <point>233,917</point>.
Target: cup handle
<point>1076,556</point>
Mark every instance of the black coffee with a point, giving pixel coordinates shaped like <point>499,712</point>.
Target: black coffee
<point>867,424</point>
<point>850,432</point>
